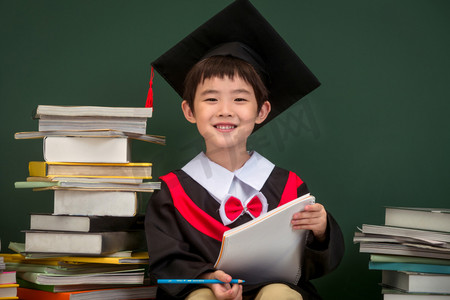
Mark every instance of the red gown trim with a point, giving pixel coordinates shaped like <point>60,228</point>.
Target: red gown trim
<point>290,190</point>
<point>191,212</point>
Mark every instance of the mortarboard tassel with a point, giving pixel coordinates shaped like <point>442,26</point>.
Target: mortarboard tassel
<point>149,102</point>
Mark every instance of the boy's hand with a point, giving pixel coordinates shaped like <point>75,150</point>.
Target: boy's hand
<point>313,218</point>
<point>223,291</point>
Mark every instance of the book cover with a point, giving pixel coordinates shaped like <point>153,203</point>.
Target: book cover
<point>273,250</point>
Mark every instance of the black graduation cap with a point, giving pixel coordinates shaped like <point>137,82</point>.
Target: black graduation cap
<point>288,79</point>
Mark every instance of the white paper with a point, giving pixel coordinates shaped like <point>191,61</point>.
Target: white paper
<point>266,248</point>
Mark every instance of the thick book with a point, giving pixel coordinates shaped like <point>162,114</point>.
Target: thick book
<point>427,236</point>
<point>400,249</point>
<point>119,258</point>
<point>410,267</point>
<point>8,291</point>
<point>61,288</point>
<point>416,282</point>
<point>93,111</point>
<point>95,203</point>
<point>126,277</point>
<point>408,259</point>
<point>135,293</point>
<point>100,133</point>
<point>82,243</point>
<point>266,248</point>
<point>437,219</point>
<point>87,179</point>
<point>51,222</point>
<point>87,149</point>
<point>84,185</point>
<point>105,170</point>
<point>64,123</point>
<point>8,277</point>
<point>393,294</point>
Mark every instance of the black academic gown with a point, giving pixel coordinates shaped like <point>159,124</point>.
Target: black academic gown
<point>179,250</point>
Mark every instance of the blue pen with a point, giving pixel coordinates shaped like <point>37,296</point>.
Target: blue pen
<point>196,281</point>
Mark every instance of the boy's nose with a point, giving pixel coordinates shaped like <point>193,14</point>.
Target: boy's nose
<point>225,110</point>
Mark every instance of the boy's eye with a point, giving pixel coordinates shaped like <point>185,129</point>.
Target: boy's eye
<point>240,99</point>
<point>211,99</point>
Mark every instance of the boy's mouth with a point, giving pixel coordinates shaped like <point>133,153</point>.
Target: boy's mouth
<point>225,126</point>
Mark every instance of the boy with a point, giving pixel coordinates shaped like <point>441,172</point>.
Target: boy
<point>225,95</point>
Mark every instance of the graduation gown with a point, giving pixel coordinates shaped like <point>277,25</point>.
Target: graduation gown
<point>183,243</point>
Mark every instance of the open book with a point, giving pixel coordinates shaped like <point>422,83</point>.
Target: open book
<point>266,248</point>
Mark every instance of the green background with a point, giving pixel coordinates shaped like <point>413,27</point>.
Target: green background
<point>375,133</point>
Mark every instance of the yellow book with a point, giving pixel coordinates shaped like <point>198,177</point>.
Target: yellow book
<point>90,170</point>
<point>8,291</point>
<point>134,258</point>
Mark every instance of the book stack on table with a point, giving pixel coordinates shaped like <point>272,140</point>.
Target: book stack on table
<point>98,193</point>
<point>412,249</point>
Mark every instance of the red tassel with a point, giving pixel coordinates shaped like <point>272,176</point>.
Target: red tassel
<point>149,102</point>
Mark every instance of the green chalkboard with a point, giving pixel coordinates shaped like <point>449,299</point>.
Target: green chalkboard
<point>375,133</point>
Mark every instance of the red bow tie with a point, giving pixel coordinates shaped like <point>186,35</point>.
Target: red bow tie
<point>234,208</point>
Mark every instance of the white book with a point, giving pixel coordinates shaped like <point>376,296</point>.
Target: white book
<point>61,110</point>
<point>97,203</point>
<point>88,150</point>
<point>417,282</point>
<point>58,123</point>
<point>437,219</point>
<point>426,236</point>
<point>82,243</point>
<point>266,248</point>
<point>409,296</point>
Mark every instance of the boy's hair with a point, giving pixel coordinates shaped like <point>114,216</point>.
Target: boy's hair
<point>221,66</point>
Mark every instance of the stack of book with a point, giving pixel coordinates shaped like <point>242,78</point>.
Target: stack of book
<point>97,192</point>
<point>83,277</point>
<point>8,283</point>
<point>412,249</point>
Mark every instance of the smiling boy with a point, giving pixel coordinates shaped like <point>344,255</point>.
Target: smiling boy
<point>225,94</point>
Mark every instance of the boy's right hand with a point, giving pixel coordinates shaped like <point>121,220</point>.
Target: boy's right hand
<point>225,291</point>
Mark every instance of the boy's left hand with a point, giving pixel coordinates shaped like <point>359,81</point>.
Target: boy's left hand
<point>313,218</point>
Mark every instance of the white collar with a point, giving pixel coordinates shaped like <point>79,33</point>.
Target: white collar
<point>217,180</point>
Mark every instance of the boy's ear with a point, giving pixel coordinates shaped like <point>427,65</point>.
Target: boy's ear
<point>187,111</point>
<point>263,112</point>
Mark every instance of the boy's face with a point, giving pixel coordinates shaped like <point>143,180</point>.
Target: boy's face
<point>225,111</point>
